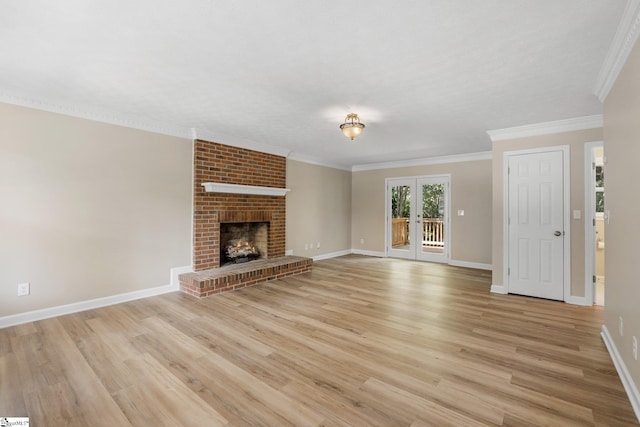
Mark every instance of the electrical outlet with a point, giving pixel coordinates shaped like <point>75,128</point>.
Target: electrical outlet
<point>23,289</point>
<point>621,326</point>
<point>635,348</point>
<point>362,241</point>
<point>318,245</point>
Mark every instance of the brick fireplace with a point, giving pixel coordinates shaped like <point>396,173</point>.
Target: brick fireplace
<point>218,163</point>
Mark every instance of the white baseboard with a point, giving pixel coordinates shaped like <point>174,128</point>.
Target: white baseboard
<point>499,289</point>
<point>61,310</point>
<point>331,255</point>
<point>623,373</point>
<point>468,264</point>
<point>369,253</point>
<point>45,313</point>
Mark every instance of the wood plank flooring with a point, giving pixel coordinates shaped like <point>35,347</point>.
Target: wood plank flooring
<point>357,342</point>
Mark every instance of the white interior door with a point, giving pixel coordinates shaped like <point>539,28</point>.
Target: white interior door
<point>536,224</point>
<point>418,218</point>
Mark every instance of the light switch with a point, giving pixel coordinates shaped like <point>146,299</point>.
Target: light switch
<point>460,212</point>
<point>577,214</point>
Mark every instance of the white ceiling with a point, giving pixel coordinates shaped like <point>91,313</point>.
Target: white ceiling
<point>428,78</point>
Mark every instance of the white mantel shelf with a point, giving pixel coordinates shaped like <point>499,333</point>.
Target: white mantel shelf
<point>216,187</point>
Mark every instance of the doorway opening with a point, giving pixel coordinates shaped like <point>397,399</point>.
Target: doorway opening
<point>595,223</point>
<point>418,218</point>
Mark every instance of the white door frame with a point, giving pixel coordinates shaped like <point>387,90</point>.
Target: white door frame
<point>565,149</point>
<point>412,221</point>
<point>589,221</point>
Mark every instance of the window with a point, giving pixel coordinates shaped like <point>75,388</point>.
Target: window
<point>599,191</point>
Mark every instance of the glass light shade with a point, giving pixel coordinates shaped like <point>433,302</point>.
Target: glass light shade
<point>352,128</point>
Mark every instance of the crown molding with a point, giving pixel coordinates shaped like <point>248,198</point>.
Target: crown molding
<point>558,126</point>
<point>112,119</point>
<point>255,146</point>
<point>621,46</point>
<point>457,158</point>
<point>315,161</point>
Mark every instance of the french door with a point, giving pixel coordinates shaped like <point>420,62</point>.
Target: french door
<point>418,218</point>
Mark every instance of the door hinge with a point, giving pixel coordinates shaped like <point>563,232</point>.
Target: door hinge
<point>594,222</point>
<point>509,271</point>
<point>594,279</point>
<point>593,165</point>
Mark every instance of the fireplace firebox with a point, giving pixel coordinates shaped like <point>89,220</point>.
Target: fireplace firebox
<point>243,242</point>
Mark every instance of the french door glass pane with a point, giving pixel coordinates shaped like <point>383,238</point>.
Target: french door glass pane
<point>400,213</point>
<point>433,219</point>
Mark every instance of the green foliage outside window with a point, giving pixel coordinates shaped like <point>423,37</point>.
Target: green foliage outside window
<point>432,201</point>
<point>599,189</point>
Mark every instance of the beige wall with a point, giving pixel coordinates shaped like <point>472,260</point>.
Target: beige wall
<point>622,256</point>
<point>576,141</point>
<point>470,191</point>
<point>318,209</point>
<point>87,209</point>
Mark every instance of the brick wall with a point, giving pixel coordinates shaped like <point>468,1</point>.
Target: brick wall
<point>215,162</point>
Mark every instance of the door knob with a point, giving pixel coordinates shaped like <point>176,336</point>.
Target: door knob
<point>557,233</point>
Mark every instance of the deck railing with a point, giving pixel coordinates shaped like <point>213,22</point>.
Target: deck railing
<point>399,231</point>
<point>432,232</point>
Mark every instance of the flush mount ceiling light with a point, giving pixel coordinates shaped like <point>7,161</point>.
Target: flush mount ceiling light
<point>352,128</point>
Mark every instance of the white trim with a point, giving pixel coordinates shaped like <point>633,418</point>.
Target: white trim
<point>499,289</point>
<point>621,46</point>
<point>175,272</point>
<point>331,255</point>
<point>478,265</point>
<point>369,253</point>
<point>109,118</point>
<point>457,158</point>
<point>141,124</point>
<point>626,378</point>
<point>558,126</point>
<point>589,216</point>
<point>46,313</point>
<point>314,161</point>
<point>205,135</point>
<point>566,166</point>
<point>216,187</point>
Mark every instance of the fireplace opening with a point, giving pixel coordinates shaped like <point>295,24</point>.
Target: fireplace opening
<point>243,242</point>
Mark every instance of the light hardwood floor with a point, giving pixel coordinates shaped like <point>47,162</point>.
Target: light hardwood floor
<point>359,341</point>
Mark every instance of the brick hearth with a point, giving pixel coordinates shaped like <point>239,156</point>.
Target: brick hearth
<point>231,277</point>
